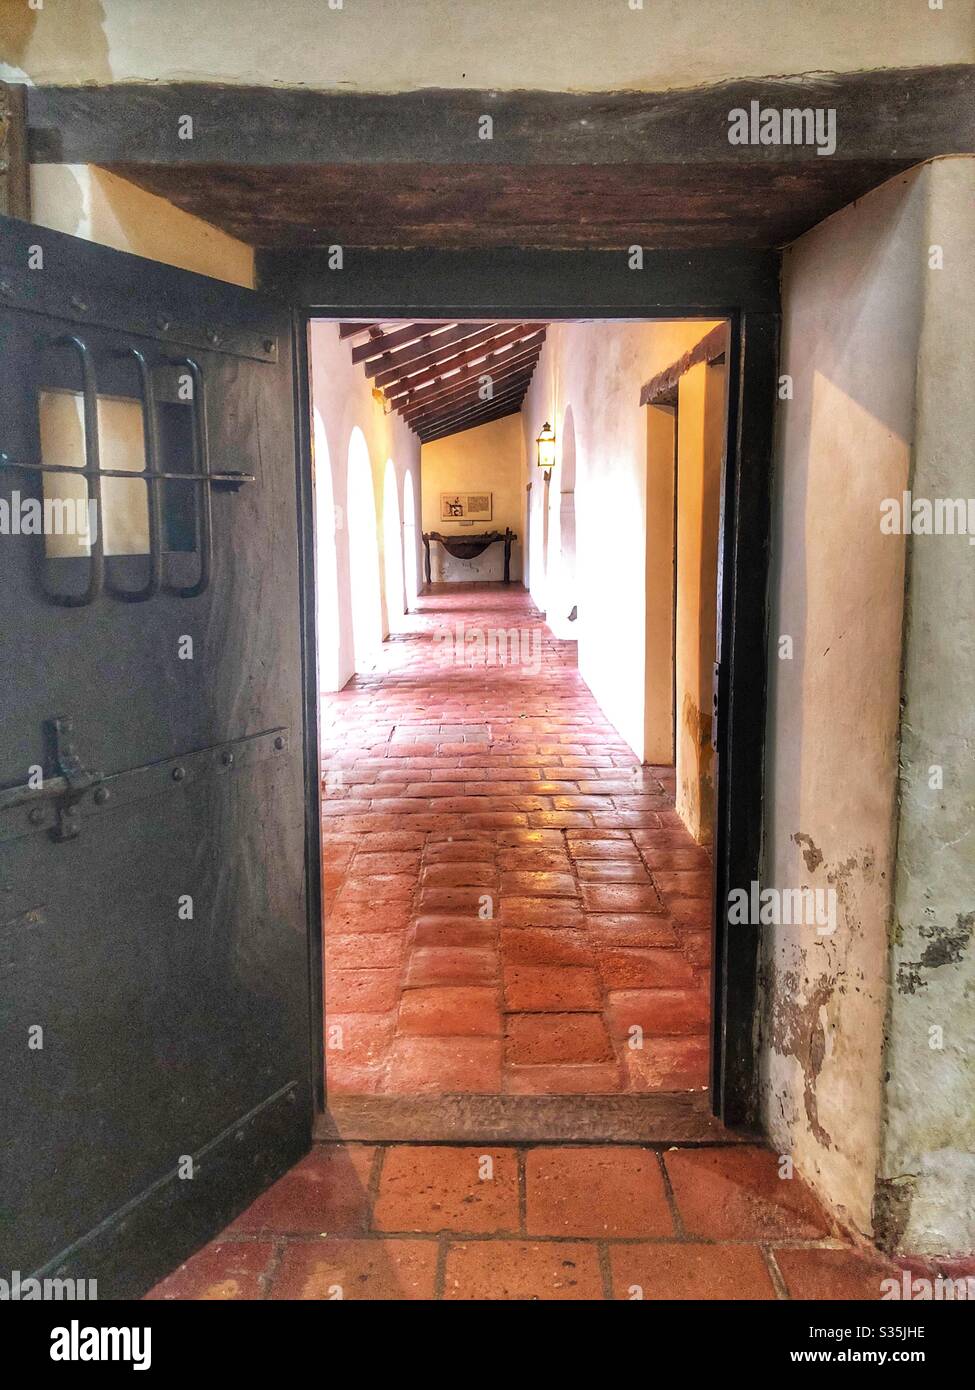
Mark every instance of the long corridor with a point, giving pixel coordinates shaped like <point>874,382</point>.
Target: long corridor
<point>512,903</point>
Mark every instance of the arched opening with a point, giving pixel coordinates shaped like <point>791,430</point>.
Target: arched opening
<point>410,572</point>
<point>367,623</point>
<point>326,560</point>
<point>562,586</point>
<point>392,550</point>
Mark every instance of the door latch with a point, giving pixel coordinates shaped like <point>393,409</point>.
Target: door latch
<point>715,704</point>
<point>77,779</point>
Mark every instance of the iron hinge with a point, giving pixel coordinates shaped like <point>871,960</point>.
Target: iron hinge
<point>57,805</point>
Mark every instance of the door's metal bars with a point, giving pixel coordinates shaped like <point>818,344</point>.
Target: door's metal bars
<point>153,488</point>
<point>152,475</point>
<point>92,471</point>
<point>201,476</point>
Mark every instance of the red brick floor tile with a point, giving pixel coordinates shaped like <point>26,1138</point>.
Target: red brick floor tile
<point>357,1038</point>
<point>687,857</point>
<point>657,1011</point>
<point>835,1274</point>
<point>663,1270</point>
<point>668,1064</point>
<point>564,1079</point>
<point>550,1038</point>
<point>379,888</point>
<point>603,1192</point>
<point>551,988</point>
<point>539,883</point>
<point>611,871</point>
<point>552,860</point>
<point>466,806</point>
<point>357,1269</point>
<point>522,1269</point>
<point>389,862</point>
<point>231,1269</point>
<point>629,929</point>
<point>366,951</point>
<point>620,897</point>
<point>423,1065</point>
<point>457,875</point>
<point>455,901</point>
<point>436,1188</point>
<point>545,946</point>
<point>540,912</point>
<point>348,919</point>
<point>451,965</point>
<point>736,1193</point>
<point>550,839</point>
<point>327,1192</point>
<point>630,967</point>
<point>453,931</point>
<point>685,883</point>
<point>362,991</point>
<point>450,1011</point>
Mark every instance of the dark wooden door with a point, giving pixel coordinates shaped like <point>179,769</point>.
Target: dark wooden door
<point>153,902</point>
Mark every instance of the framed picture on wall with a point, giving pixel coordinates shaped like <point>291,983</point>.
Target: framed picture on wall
<point>466,506</point>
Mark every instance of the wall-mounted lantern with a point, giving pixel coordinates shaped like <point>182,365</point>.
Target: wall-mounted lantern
<point>546,449</point>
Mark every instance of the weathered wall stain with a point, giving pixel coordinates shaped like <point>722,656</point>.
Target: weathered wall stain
<point>811,852</point>
<point>797,1030</point>
<point>946,946</point>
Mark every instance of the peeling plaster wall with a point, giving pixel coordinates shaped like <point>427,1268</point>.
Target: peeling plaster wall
<point>926,1199</point>
<point>864,342</point>
<point>553,44</point>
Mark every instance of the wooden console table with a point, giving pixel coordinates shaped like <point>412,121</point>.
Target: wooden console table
<point>469,547</point>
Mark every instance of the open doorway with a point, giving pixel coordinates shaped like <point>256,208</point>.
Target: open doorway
<point>518,883</point>
<point>686,443</point>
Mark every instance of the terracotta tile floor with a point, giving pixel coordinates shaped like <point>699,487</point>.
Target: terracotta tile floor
<point>512,903</point>
<point>401,1221</point>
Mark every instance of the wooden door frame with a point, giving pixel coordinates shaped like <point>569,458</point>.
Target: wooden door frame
<point>740,286</point>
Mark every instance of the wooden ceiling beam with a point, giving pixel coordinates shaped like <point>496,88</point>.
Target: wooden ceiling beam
<point>352,330</point>
<point>469,424</point>
<point>471,390</point>
<point>482,411</point>
<point>445,343</point>
<point>465,349</point>
<point>486,366</point>
<point>454,412</point>
<point>385,342</point>
<point>922,111</point>
<point>511,341</point>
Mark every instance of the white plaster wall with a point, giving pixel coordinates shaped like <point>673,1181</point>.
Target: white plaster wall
<point>852,308</point>
<point>555,44</point>
<point>597,370</point>
<point>928,1163</point>
<point>343,401</point>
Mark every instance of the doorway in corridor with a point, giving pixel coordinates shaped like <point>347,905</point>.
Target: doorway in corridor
<point>517,843</point>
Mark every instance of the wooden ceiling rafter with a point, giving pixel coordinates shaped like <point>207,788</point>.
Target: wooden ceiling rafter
<point>437,347</point>
<point>455,412</point>
<point>471,390</point>
<point>457,428</point>
<point>397,336</point>
<point>464,349</point>
<point>474,371</point>
<point>432,373</point>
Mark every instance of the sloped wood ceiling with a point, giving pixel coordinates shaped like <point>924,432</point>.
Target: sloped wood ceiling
<point>447,377</point>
